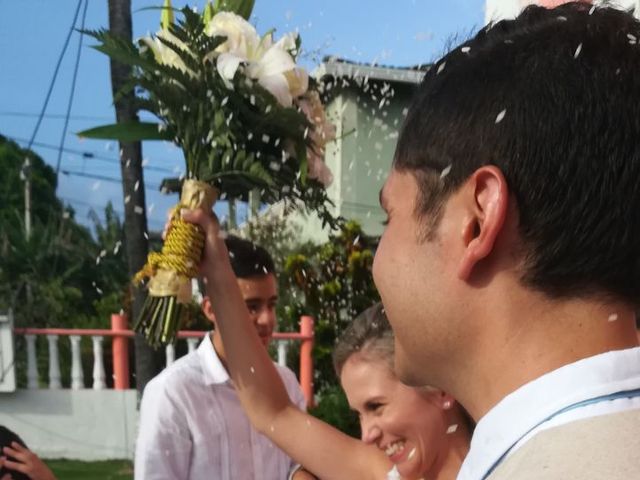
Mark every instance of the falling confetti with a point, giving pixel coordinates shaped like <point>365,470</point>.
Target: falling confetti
<point>578,50</point>
<point>445,172</point>
<point>501,115</point>
<point>465,49</point>
<point>452,428</point>
<point>440,68</point>
<point>96,185</point>
<point>613,317</point>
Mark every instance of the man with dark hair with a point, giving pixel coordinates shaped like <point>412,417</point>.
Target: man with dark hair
<point>192,425</point>
<point>510,265</point>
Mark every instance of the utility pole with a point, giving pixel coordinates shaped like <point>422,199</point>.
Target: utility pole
<point>148,362</point>
<point>26,174</point>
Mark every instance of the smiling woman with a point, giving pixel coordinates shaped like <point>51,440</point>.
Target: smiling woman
<point>412,432</point>
<point>423,431</point>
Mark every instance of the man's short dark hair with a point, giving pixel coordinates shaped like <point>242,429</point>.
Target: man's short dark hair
<point>550,98</point>
<point>248,259</point>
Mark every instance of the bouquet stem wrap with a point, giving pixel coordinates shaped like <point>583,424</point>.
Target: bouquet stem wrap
<point>170,271</point>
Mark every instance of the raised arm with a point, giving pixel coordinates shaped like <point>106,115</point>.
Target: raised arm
<point>320,448</point>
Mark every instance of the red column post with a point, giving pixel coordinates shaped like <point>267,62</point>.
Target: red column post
<point>306,359</point>
<point>120,352</point>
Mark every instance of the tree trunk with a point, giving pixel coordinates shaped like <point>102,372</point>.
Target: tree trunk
<point>148,362</point>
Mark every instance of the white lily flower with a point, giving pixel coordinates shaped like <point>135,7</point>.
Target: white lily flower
<point>271,65</point>
<point>242,38</point>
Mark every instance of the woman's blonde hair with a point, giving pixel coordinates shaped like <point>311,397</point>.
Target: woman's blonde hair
<point>369,334</point>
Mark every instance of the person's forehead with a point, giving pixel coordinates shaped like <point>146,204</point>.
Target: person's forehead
<point>259,286</point>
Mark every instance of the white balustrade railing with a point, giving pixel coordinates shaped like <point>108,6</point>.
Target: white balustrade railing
<point>54,363</point>
<point>120,342</point>
<point>77,376</point>
<point>32,364</point>
<point>99,375</point>
<point>170,354</point>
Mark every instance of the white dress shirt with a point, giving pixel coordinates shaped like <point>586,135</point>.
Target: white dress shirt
<point>524,412</point>
<point>192,426</point>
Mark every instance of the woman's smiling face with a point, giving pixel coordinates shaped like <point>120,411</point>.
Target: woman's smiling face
<point>409,425</point>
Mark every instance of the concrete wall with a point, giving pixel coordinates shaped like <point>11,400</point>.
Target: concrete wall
<point>76,424</point>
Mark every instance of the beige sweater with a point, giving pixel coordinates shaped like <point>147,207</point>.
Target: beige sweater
<point>606,447</point>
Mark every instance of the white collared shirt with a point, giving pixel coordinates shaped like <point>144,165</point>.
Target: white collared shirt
<point>192,426</point>
<point>521,412</point>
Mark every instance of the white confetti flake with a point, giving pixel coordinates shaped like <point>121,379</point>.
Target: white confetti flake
<point>578,50</point>
<point>613,317</point>
<point>592,9</point>
<point>224,101</point>
<point>150,208</point>
<point>465,49</point>
<point>393,474</point>
<point>445,172</point>
<point>116,248</point>
<point>501,115</point>
<point>452,428</point>
<point>441,68</point>
<point>253,370</point>
<point>127,199</point>
<point>96,185</point>
<point>138,209</point>
<point>265,138</point>
<point>136,186</point>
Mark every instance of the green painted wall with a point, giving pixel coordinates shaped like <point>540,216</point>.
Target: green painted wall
<point>360,161</point>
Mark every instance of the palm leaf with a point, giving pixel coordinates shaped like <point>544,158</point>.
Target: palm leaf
<point>127,132</point>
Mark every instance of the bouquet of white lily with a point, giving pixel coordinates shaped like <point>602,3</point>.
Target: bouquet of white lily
<point>246,116</point>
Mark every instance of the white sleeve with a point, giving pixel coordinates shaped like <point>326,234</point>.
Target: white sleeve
<point>163,447</point>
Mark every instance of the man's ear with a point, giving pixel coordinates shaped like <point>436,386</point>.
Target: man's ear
<point>207,309</point>
<point>486,198</point>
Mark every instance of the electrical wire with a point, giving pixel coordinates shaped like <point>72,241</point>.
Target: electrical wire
<point>85,154</point>
<point>55,75</point>
<point>73,87</point>
<point>102,177</point>
<point>54,116</point>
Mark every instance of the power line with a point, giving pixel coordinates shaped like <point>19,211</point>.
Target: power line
<point>54,116</point>
<point>27,162</point>
<point>73,87</point>
<point>86,154</point>
<point>55,75</point>
<point>84,203</point>
<point>101,177</point>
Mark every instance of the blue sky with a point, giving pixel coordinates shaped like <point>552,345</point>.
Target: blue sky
<point>32,34</point>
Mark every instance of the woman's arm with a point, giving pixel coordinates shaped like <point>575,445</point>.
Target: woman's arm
<point>322,449</point>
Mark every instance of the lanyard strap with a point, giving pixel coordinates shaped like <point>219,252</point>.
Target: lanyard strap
<point>584,403</point>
